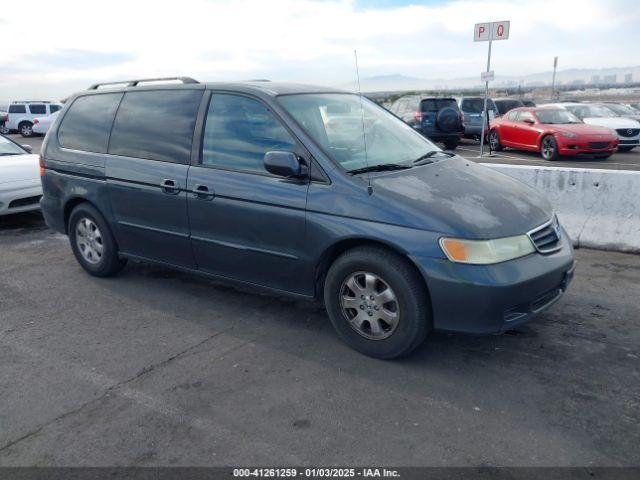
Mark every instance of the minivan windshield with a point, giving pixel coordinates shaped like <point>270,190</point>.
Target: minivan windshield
<point>7,147</point>
<point>356,138</point>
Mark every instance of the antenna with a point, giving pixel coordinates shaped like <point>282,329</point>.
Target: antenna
<point>364,136</point>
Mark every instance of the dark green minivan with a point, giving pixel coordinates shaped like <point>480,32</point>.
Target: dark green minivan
<point>308,191</point>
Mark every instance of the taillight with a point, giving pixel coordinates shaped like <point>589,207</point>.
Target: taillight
<point>42,167</point>
<point>35,121</point>
<point>418,116</point>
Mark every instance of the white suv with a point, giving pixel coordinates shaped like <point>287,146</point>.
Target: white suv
<point>22,114</point>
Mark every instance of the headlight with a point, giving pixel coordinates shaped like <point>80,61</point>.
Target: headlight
<point>568,134</point>
<point>485,252</point>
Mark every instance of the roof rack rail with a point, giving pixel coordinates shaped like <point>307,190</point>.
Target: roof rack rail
<point>134,83</point>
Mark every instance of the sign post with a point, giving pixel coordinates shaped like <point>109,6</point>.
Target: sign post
<point>488,32</point>
<point>553,81</point>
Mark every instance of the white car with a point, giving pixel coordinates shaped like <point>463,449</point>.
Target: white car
<point>41,124</point>
<point>22,114</point>
<point>20,187</point>
<point>628,130</point>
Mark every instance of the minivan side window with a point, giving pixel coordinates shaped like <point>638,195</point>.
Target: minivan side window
<point>239,131</point>
<point>54,108</point>
<point>87,124</point>
<point>156,125</point>
<point>17,109</point>
<point>37,109</point>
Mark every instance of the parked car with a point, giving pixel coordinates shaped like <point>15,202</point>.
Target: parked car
<point>628,130</point>
<point>20,187</point>
<point>553,132</point>
<point>472,108</point>
<point>504,105</point>
<point>240,181</point>
<point>22,114</point>
<point>622,111</point>
<point>438,119</point>
<point>41,125</point>
<point>3,122</point>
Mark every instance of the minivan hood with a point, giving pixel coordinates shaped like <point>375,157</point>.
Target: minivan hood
<point>460,197</point>
<point>612,122</point>
<point>16,168</point>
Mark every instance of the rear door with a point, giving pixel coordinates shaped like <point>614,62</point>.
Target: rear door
<point>146,168</point>
<point>526,133</point>
<point>247,224</point>
<point>508,125</point>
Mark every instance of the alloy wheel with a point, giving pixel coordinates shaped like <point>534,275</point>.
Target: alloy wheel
<point>548,149</point>
<point>89,240</point>
<point>369,305</point>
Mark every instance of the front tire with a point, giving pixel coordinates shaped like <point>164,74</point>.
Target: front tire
<point>494,141</point>
<point>549,148</point>
<point>377,302</point>
<point>92,242</point>
<point>26,129</point>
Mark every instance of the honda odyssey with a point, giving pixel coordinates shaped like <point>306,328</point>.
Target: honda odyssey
<point>244,182</point>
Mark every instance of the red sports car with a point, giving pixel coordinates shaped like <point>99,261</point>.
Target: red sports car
<point>552,132</point>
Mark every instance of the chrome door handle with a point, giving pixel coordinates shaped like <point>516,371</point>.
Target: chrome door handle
<point>202,192</point>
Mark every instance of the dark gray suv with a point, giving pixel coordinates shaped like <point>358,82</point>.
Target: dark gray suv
<point>438,119</point>
<point>307,191</point>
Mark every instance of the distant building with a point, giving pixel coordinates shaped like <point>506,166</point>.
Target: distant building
<point>595,79</point>
<point>628,78</point>
<point>609,79</point>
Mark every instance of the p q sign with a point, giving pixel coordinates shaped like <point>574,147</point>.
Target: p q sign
<point>484,32</point>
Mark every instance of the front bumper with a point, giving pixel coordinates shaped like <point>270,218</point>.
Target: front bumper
<point>486,299</point>
<point>22,196</point>
<point>574,147</point>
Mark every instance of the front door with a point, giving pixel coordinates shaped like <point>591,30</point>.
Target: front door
<point>247,224</point>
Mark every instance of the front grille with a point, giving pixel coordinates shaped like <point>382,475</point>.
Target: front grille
<point>546,238</point>
<point>628,132</point>
<point>598,145</point>
<point>23,202</point>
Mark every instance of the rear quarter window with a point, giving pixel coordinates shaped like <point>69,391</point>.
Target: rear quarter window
<point>156,125</point>
<point>17,109</point>
<point>87,124</point>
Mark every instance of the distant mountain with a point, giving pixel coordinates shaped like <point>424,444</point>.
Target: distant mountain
<point>398,82</point>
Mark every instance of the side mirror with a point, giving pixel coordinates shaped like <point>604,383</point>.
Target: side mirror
<point>284,164</point>
<point>28,148</point>
<point>528,121</point>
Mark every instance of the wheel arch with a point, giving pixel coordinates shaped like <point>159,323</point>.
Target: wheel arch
<point>331,253</point>
<point>72,203</point>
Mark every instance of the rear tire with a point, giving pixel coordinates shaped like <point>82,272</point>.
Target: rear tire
<point>377,302</point>
<point>26,129</point>
<point>4,130</point>
<point>494,141</point>
<point>92,242</point>
<point>549,148</point>
<point>451,144</point>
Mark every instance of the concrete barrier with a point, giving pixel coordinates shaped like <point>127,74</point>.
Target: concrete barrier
<point>598,208</point>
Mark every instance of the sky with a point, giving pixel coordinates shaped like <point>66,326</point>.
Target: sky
<point>53,48</point>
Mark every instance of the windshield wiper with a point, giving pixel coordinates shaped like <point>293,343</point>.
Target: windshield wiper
<point>379,168</point>
<point>3,154</point>
<point>424,159</point>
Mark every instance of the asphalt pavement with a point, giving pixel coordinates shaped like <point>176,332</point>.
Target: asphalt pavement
<point>156,367</point>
